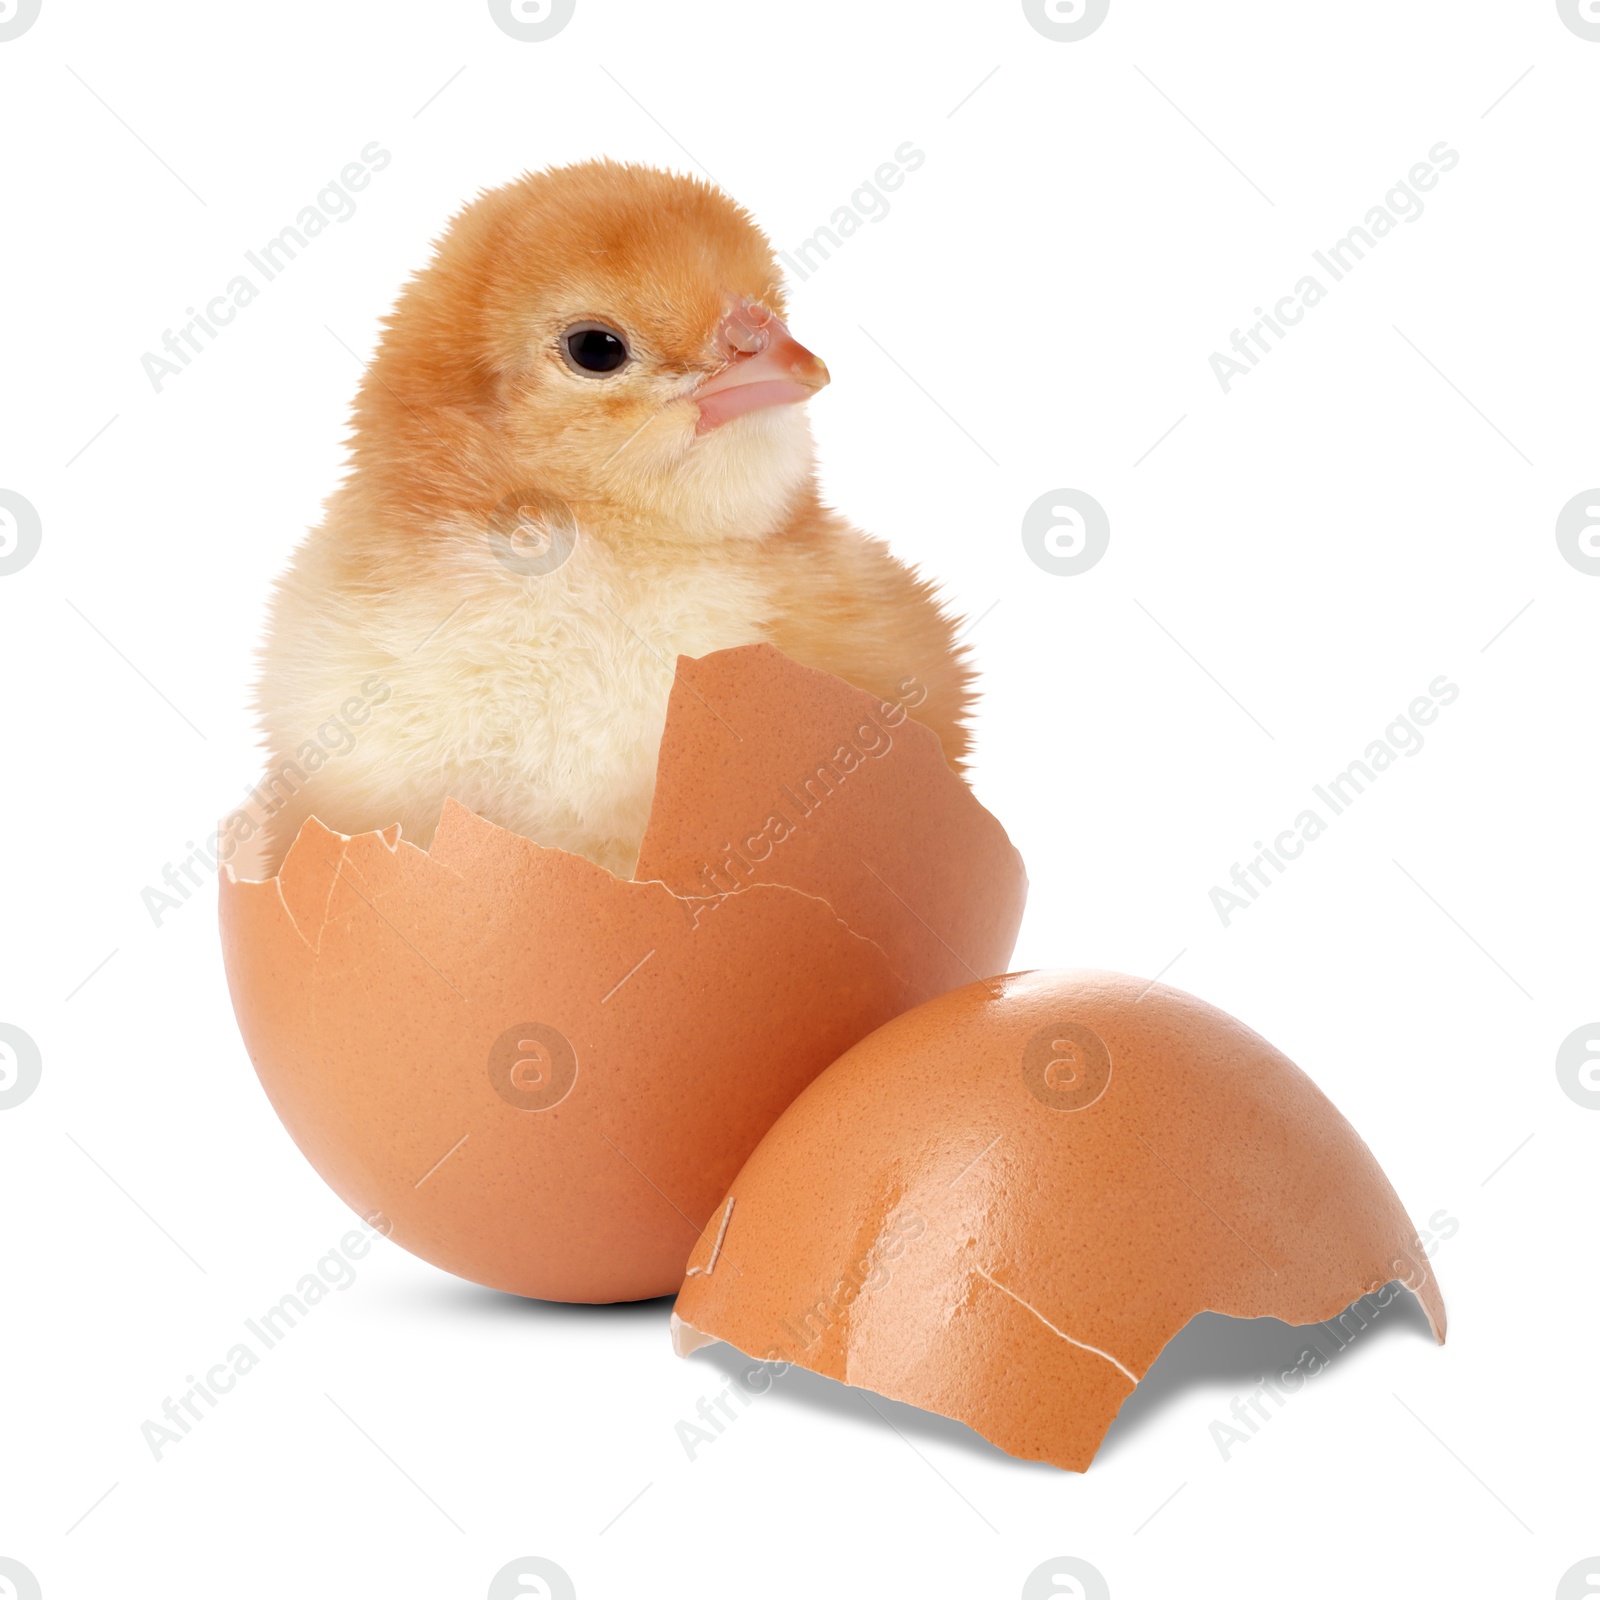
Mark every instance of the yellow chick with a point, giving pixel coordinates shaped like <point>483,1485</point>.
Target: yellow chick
<point>578,453</point>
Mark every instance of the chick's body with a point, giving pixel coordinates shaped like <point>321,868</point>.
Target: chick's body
<point>576,456</point>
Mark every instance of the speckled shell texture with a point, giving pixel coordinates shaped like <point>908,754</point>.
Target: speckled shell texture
<point>542,1077</point>
<point>1003,1204</point>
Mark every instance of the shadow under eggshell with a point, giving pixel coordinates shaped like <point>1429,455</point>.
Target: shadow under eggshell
<point>544,1077</point>
<point>1003,1204</point>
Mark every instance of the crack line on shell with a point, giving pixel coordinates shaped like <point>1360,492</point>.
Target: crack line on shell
<point>1093,1350</point>
<point>294,921</point>
<point>683,899</point>
<point>716,1248</point>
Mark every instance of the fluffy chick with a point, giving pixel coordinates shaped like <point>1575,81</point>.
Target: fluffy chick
<point>577,454</point>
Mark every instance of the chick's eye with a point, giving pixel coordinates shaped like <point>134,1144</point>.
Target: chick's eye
<point>593,348</point>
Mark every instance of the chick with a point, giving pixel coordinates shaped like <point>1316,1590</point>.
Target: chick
<point>578,453</point>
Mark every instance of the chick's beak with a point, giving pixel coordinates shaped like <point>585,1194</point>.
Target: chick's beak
<point>765,366</point>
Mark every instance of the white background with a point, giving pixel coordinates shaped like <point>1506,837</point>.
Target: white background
<point>1288,568</point>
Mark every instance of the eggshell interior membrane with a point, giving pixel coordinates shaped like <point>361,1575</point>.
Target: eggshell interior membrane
<point>1002,1205</point>
<point>542,1077</point>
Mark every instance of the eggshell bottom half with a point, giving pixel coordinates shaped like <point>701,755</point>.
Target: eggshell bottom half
<point>542,1077</point>
<point>1002,1205</point>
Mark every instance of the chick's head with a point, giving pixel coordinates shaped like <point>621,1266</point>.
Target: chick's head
<point>613,337</point>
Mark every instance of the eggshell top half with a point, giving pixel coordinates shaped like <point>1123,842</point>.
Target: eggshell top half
<point>1003,1204</point>
<point>542,1077</point>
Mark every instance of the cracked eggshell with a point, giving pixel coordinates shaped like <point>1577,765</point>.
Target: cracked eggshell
<point>543,1077</point>
<point>879,826</point>
<point>1003,1204</point>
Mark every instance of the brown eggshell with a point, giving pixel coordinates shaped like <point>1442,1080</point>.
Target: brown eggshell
<point>545,1077</point>
<point>1003,1204</point>
<point>756,745</point>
